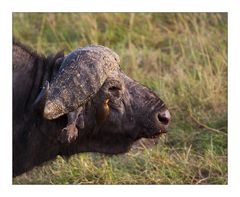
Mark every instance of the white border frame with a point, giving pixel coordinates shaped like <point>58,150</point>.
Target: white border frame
<point>230,6</point>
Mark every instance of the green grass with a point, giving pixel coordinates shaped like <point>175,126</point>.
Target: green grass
<point>183,58</point>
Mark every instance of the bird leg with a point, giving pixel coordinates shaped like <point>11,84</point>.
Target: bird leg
<point>70,132</point>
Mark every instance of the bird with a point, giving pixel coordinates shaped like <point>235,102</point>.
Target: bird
<point>70,132</point>
<point>102,113</point>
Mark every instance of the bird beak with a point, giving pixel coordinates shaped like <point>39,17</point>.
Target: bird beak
<point>107,101</point>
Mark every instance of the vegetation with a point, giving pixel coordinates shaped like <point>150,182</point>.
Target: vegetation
<point>183,58</point>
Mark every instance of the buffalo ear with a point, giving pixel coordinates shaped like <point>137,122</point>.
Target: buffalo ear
<point>58,62</point>
<point>40,101</point>
<point>59,58</point>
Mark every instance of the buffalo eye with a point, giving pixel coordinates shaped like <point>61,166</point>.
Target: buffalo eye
<point>114,88</point>
<point>115,91</point>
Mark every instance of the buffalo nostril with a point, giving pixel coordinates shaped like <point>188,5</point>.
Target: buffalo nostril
<point>164,117</point>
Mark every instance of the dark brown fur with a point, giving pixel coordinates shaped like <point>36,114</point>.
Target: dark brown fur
<point>134,113</point>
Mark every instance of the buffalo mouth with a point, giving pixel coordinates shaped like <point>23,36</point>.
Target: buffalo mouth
<point>147,133</point>
<point>158,134</point>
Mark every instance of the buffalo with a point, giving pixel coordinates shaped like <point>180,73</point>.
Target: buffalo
<point>128,110</point>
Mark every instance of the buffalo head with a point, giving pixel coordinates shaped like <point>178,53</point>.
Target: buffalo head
<point>90,87</point>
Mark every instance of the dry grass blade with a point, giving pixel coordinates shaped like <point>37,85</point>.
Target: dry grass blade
<point>206,127</point>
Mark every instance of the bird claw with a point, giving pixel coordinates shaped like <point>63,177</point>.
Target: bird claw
<point>69,134</point>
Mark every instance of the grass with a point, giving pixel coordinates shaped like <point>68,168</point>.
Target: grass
<point>183,58</point>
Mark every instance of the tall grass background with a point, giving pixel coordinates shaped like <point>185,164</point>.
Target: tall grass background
<point>180,56</point>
